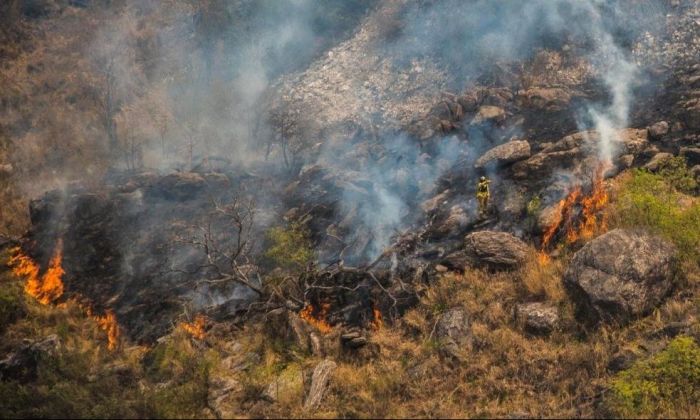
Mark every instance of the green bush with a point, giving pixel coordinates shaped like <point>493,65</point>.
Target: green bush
<point>651,201</point>
<point>11,303</point>
<point>68,385</point>
<point>183,374</point>
<point>290,247</point>
<point>676,173</point>
<point>667,385</point>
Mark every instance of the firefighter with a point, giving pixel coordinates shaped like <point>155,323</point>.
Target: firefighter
<point>482,195</point>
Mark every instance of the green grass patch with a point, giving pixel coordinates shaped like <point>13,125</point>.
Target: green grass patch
<point>666,385</point>
<point>655,202</point>
<point>290,246</point>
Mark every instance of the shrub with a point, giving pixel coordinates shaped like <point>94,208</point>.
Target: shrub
<point>11,303</point>
<point>290,247</point>
<point>676,173</point>
<point>667,385</point>
<point>651,201</point>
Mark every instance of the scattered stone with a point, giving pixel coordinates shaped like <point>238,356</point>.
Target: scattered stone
<point>319,384</point>
<point>658,130</point>
<point>496,249</point>
<point>441,268</point>
<point>454,332</point>
<point>625,161</point>
<point>509,152</point>
<point>22,364</point>
<point>547,99</point>
<point>353,339</point>
<point>489,113</point>
<point>620,275</point>
<point>220,394</point>
<point>655,163</point>
<point>537,317</point>
<point>691,154</point>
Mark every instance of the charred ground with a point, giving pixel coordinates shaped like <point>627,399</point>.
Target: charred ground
<point>269,209</point>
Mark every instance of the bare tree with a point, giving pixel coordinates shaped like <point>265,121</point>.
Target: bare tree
<point>226,243</point>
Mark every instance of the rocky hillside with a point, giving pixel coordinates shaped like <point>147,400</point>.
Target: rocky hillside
<point>270,209</point>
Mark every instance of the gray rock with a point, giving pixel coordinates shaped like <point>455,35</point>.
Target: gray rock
<point>319,384</point>
<point>181,185</point>
<point>221,390</point>
<point>625,161</point>
<point>658,130</point>
<point>458,260</point>
<point>496,249</point>
<point>546,99</point>
<point>510,152</point>
<point>22,364</point>
<point>695,170</point>
<point>691,154</point>
<point>454,333</point>
<point>537,317</point>
<point>655,163</point>
<point>620,275</point>
<point>489,113</point>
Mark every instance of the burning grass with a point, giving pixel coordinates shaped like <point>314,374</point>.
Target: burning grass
<point>47,288</point>
<point>316,317</point>
<point>196,328</point>
<point>580,216</point>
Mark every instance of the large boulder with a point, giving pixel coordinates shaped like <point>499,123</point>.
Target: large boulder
<point>454,333</point>
<point>657,161</point>
<point>691,154</point>
<point>22,365</point>
<point>489,113</point>
<point>537,317</point>
<point>495,249</point>
<point>509,152</point>
<point>320,380</point>
<point>574,153</point>
<point>620,275</point>
<point>544,99</point>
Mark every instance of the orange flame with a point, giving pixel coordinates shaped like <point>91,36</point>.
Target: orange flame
<point>377,321</point>
<point>196,327</point>
<point>47,288</point>
<point>108,323</point>
<point>593,220</point>
<point>561,214</point>
<point>592,206</point>
<point>317,318</point>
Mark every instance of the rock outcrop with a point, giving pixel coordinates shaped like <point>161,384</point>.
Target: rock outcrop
<point>22,364</point>
<point>537,317</point>
<point>620,275</point>
<point>319,384</point>
<point>454,333</point>
<point>509,152</point>
<point>495,249</point>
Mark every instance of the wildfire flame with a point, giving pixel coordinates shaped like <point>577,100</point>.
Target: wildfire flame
<point>47,288</point>
<point>108,323</point>
<point>377,321</point>
<point>196,327</point>
<point>317,318</point>
<point>593,220</point>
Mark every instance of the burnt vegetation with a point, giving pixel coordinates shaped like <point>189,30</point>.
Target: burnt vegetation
<point>270,208</point>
